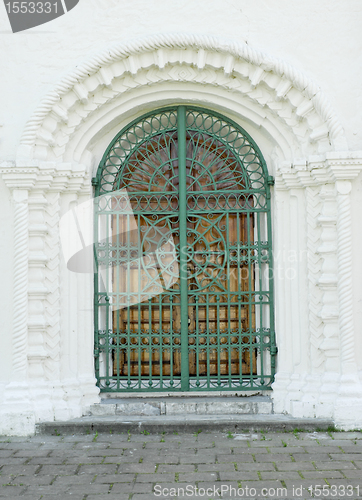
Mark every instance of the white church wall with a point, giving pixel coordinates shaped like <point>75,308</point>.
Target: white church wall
<point>48,168</point>
<point>356,206</point>
<point>319,39</point>
<point>6,272</point>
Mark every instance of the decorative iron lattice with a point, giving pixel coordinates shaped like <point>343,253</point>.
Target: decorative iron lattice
<point>183,282</point>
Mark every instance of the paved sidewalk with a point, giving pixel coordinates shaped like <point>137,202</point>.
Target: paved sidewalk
<point>200,465</point>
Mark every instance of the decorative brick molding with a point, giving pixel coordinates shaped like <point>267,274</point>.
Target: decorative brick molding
<point>313,209</point>
<point>345,273</point>
<point>52,282</point>
<point>330,385</point>
<point>286,100</point>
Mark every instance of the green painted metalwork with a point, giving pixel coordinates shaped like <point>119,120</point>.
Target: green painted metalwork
<point>183,282</point>
<point>181,144</point>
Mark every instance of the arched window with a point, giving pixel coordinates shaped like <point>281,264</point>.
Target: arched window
<point>183,285</point>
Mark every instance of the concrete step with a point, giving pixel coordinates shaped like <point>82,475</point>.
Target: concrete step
<point>169,414</point>
<point>182,424</point>
<point>173,406</point>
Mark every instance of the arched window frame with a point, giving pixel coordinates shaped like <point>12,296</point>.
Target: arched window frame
<point>256,182</point>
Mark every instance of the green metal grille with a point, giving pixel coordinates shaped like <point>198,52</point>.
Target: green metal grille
<point>183,282</point>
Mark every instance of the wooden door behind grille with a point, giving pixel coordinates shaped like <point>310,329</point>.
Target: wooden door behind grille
<point>220,270</point>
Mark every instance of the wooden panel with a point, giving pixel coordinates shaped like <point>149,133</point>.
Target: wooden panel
<point>218,324</point>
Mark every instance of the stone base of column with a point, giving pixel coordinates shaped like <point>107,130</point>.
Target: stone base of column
<point>24,405</point>
<point>348,405</point>
<point>16,415</point>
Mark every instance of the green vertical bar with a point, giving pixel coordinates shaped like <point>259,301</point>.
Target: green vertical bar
<point>181,138</point>
<point>96,286</point>
<point>273,349</point>
<point>108,349</point>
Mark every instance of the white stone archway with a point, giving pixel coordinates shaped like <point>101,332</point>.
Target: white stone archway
<point>305,149</point>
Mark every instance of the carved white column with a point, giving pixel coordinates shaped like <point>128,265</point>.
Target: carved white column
<point>314,262</point>
<point>327,282</point>
<point>21,254</point>
<point>348,406</point>
<point>52,282</point>
<point>346,328</point>
<point>37,289</point>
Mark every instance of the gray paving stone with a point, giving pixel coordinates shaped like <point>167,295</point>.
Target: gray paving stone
<point>265,444</point>
<point>32,453</point>
<point>60,470</point>
<point>53,489</point>
<point>175,453</point>
<point>114,478</point>
<point>194,459</point>
<point>131,452</point>
<point>333,465</point>
<point>141,496</point>
<point>326,474</point>
<point>31,480</point>
<point>61,496</point>
<point>182,467</point>
<point>224,467</point>
<point>266,466</point>
<point>22,444</point>
<point>7,479</point>
<point>120,496</point>
<point>303,457</point>
<point>240,458</point>
<point>5,454</point>
<point>271,457</point>
<point>322,449</point>
<point>121,460</point>
<point>144,467</point>
<point>124,445</point>
<point>71,480</point>
<point>287,449</point>
<point>48,460</point>
<point>282,475</point>
<point>357,484</point>
<point>346,435</point>
<point>353,474</point>
<point>19,469</point>
<point>104,452</point>
<point>88,488</point>
<point>240,475</point>
<point>198,476</point>
<point>241,451</point>
<point>98,469</point>
<point>164,459</point>
<point>351,448</point>
<point>132,488</point>
<point>295,466</point>
<point>84,459</point>
<point>11,491</point>
<point>346,456</point>
<point>155,478</point>
<point>339,442</point>
<point>16,460</point>
<point>24,497</point>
